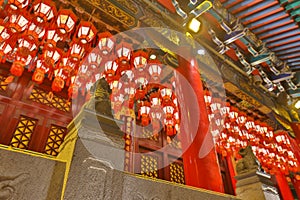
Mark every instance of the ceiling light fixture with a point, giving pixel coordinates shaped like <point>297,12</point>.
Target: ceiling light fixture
<point>297,104</point>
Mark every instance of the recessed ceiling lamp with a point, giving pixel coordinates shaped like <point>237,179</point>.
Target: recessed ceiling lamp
<point>194,25</point>
<point>297,104</point>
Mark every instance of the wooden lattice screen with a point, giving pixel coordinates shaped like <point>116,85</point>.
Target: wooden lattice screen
<point>55,139</point>
<point>23,132</point>
<point>41,96</point>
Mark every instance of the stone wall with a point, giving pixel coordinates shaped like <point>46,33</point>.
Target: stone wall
<point>92,178</point>
<point>97,169</point>
<point>25,176</point>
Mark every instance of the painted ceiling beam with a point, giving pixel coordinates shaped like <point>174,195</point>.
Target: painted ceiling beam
<point>277,31</point>
<point>281,22</point>
<point>258,7</point>
<point>288,46</point>
<point>288,51</point>
<point>243,5</point>
<point>230,3</point>
<point>283,36</point>
<point>294,55</point>
<point>284,41</point>
<point>293,60</point>
<point>262,16</point>
<point>295,65</point>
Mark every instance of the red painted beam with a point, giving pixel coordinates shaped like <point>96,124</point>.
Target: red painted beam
<point>167,4</point>
<point>279,32</point>
<point>257,10</point>
<point>264,16</point>
<point>268,22</point>
<point>246,6</point>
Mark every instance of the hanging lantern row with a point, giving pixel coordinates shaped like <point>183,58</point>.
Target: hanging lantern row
<point>235,130</point>
<point>134,80</point>
<point>32,35</point>
<point>29,36</point>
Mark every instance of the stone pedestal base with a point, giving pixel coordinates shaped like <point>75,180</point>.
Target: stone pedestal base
<point>255,185</point>
<point>97,169</point>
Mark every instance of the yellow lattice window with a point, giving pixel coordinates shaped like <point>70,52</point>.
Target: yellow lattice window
<point>149,166</point>
<point>147,134</point>
<point>23,132</point>
<point>3,83</point>
<point>175,143</point>
<point>55,138</point>
<point>176,173</point>
<point>41,96</point>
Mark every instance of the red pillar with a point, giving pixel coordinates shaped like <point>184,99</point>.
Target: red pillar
<point>296,184</point>
<point>231,171</point>
<point>296,128</point>
<point>200,171</point>
<point>283,186</point>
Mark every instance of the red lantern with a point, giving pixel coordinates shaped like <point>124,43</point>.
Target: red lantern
<point>141,81</point>
<point>66,21</point>
<point>76,52</point>
<point>169,127</point>
<point>169,110</point>
<point>106,43</point>
<point>52,36</point>
<point>129,93</point>
<point>86,32</point>
<point>44,11</point>
<point>58,84</point>
<point>6,48</point>
<point>110,72</point>
<point>143,115</point>
<point>73,89</point>
<point>166,94</point>
<point>117,101</point>
<point>17,68</point>
<point>233,114</point>
<point>154,69</point>
<point>140,59</point>
<point>94,60</point>
<point>17,4</point>
<point>38,75</point>
<point>18,23</point>
<point>35,31</point>
<point>207,97</point>
<point>67,69</point>
<point>241,119</point>
<point>5,33</point>
<point>48,60</point>
<point>123,51</point>
<point>27,49</point>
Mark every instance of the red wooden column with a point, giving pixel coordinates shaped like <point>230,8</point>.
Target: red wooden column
<point>296,128</point>
<point>201,172</point>
<point>283,186</point>
<point>296,184</point>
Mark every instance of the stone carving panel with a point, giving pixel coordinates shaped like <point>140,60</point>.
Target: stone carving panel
<point>27,177</point>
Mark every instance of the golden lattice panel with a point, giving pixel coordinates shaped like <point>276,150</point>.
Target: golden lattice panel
<point>147,134</point>
<point>55,139</point>
<point>176,144</point>
<point>176,173</point>
<point>3,84</point>
<point>149,166</point>
<point>23,132</point>
<point>41,96</point>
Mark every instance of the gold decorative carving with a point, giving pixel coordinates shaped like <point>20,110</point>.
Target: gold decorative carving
<point>176,173</point>
<point>129,5</point>
<point>249,89</point>
<point>114,11</point>
<point>240,94</point>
